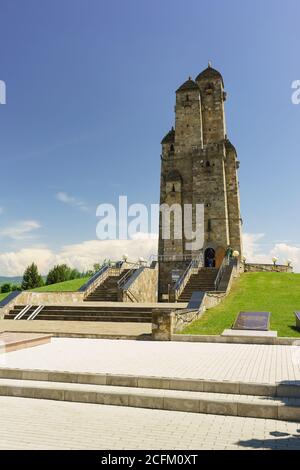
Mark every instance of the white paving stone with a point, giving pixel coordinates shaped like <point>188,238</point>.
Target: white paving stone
<point>218,361</point>
<point>43,424</point>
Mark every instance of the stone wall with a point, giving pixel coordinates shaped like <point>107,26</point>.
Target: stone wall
<point>183,318</point>
<point>43,298</point>
<point>258,268</point>
<point>165,276</point>
<point>162,325</point>
<point>143,285</point>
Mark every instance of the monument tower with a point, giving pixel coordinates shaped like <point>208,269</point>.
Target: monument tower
<point>199,166</point>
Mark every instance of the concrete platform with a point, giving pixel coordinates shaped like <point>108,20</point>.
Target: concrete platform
<point>210,361</point>
<point>79,329</point>
<point>12,341</point>
<point>250,333</point>
<point>222,379</point>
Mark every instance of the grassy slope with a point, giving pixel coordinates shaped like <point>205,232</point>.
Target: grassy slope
<point>67,286</point>
<point>2,296</point>
<point>278,293</point>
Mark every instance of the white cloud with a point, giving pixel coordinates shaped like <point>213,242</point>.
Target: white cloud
<point>255,251</point>
<point>20,230</point>
<point>81,256</point>
<point>71,201</point>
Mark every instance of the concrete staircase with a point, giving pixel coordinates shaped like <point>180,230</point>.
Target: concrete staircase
<point>108,290</point>
<point>124,313</point>
<point>202,281</point>
<point>269,401</point>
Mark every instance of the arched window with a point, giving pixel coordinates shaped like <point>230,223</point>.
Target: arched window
<point>172,148</point>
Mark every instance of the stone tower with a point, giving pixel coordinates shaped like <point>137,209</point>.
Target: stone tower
<point>199,166</point>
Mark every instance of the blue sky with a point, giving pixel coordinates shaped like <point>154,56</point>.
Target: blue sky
<point>90,93</point>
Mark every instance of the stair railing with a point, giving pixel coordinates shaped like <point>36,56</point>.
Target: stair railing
<point>222,268</point>
<point>192,268</point>
<point>95,280</point>
<point>131,295</point>
<point>122,281</point>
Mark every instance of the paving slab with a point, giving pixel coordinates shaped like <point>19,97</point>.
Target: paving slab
<point>43,424</point>
<point>263,364</point>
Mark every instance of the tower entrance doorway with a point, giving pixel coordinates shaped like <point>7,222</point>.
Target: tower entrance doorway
<point>210,258</point>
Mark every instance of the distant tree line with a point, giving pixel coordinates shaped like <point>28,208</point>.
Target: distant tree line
<point>59,273</point>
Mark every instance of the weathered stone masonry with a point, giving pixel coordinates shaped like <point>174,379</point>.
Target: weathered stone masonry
<point>199,166</point>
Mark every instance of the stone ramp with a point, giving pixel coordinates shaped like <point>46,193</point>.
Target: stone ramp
<point>279,401</point>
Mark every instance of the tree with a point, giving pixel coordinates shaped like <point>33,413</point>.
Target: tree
<point>15,287</point>
<point>5,288</point>
<point>31,278</point>
<point>62,273</point>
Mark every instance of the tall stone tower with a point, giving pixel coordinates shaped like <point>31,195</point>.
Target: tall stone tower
<point>199,166</point>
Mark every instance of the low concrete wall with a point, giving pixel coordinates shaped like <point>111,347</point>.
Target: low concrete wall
<point>143,284</point>
<point>257,268</point>
<point>42,298</point>
<point>183,318</point>
<point>283,341</point>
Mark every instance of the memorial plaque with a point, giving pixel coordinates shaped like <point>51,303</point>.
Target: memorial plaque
<point>195,300</point>
<point>297,315</point>
<point>252,321</point>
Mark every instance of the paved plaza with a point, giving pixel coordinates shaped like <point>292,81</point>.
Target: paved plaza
<point>216,361</point>
<point>42,424</point>
<point>27,423</point>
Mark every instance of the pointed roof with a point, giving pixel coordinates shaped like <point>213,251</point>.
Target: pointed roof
<point>169,138</point>
<point>188,85</point>
<point>209,73</point>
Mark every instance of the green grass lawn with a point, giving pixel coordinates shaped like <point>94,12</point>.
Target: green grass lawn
<point>278,293</point>
<point>67,286</point>
<point>2,296</point>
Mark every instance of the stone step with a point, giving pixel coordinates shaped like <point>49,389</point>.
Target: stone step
<point>281,389</point>
<point>281,408</point>
<point>91,319</point>
<point>93,310</point>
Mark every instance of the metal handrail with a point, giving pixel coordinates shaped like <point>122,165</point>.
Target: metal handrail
<point>122,281</point>
<point>35,313</point>
<point>175,257</point>
<point>183,276</point>
<point>23,312</point>
<point>183,280</point>
<point>93,278</point>
<point>130,293</point>
<point>224,264</point>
